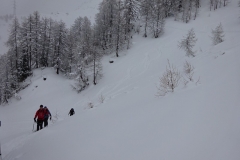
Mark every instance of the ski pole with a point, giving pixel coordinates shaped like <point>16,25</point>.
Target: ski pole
<point>0,147</point>
<point>0,152</point>
<point>33,126</point>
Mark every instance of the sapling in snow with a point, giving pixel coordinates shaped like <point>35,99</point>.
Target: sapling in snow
<point>101,98</point>
<point>169,80</point>
<point>217,35</point>
<point>188,43</point>
<point>188,70</point>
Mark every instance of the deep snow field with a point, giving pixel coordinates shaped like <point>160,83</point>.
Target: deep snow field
<point>199,121</point>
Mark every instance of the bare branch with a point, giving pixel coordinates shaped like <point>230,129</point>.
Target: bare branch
<point>169,81</point>
<point>189,70</point>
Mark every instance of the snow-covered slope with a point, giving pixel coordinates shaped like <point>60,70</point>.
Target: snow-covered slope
<point>198,121</point>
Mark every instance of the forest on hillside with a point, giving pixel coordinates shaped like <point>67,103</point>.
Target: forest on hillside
<point>38,42</point>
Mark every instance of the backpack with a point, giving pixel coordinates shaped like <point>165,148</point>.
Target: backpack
<point>46,114</point>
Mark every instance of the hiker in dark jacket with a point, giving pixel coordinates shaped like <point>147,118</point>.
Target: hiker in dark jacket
<point>40,117</point>
<point>47,114</point>
<point>71,112</point>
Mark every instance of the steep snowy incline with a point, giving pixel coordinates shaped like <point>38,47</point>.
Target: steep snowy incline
<point>198,121</point>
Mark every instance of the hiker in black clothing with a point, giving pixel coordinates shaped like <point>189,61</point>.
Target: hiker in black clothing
<point>47,114</point>
<point>71,112</point>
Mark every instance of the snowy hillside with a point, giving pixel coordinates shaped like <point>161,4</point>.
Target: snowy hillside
<point>127,121</point>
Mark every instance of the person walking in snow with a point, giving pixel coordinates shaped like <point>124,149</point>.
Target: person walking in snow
<point>47,114</point>
<point>40,117</point>
<point>71,112</point>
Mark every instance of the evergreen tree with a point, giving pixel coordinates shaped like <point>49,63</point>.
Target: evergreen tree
<point>51,45</point>
<point>7,79</point>
<point>36,35</point>
<point>43,42</point>
<point>109,9</point>
<point>13,52</point>
<point>157,18</point>
<point>96,59</point>
<point>131,14</point>
<point>61,47</point>
<point>196,7</point>
<point>71,53</point>
<point>105,24</point>
<point>102,30</point>
<point>176,8</point>
<point>187,10</point>
<point>217,4</point>
<point>29,33</point>
<point>24,70</point>
<point>25,41</point>
<point>217,35</point>
<point>188,43</point>
<point>146,13</point>
<point>118,28</point>
<point>76,34</point>
<point>86,39</point>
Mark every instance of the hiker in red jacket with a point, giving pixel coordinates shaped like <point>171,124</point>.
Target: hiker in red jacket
<point>40,117</point>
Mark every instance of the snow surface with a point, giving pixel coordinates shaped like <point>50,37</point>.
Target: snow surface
<point>200,121</point>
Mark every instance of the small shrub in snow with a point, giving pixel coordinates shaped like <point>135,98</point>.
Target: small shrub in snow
<point>81,80</point>
<point>90,105</point>
<point>17,96</point>
<point>169,80</point>
<point>188,43</point>
<point>55,117</point>
<point>198,81</point>
<point>217,35</point>
<point>188,70</point>
<point>101,98</point>
<point>71,75</point>
<point>79,87</point>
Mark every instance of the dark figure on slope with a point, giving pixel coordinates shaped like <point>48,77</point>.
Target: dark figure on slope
<point>40,117</point>
<point>47,114</point>
<point>71,112</point>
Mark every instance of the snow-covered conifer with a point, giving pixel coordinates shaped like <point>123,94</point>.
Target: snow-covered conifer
<point>146,11</point>
<point>86,39</point>
<point>188,43</point>
<point>118,28</point>
<point>215,4</point>
<point>36,38</point>
<point>217,35</point>
<point>157,20</point>
<point>7,79</point>
<point>96,58</point>
<point>61,46</point>
<point>131,14</point>
<point>25,39</point>
<point>14,49</point>
<point>76,33</point>
<point>44,42</point>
